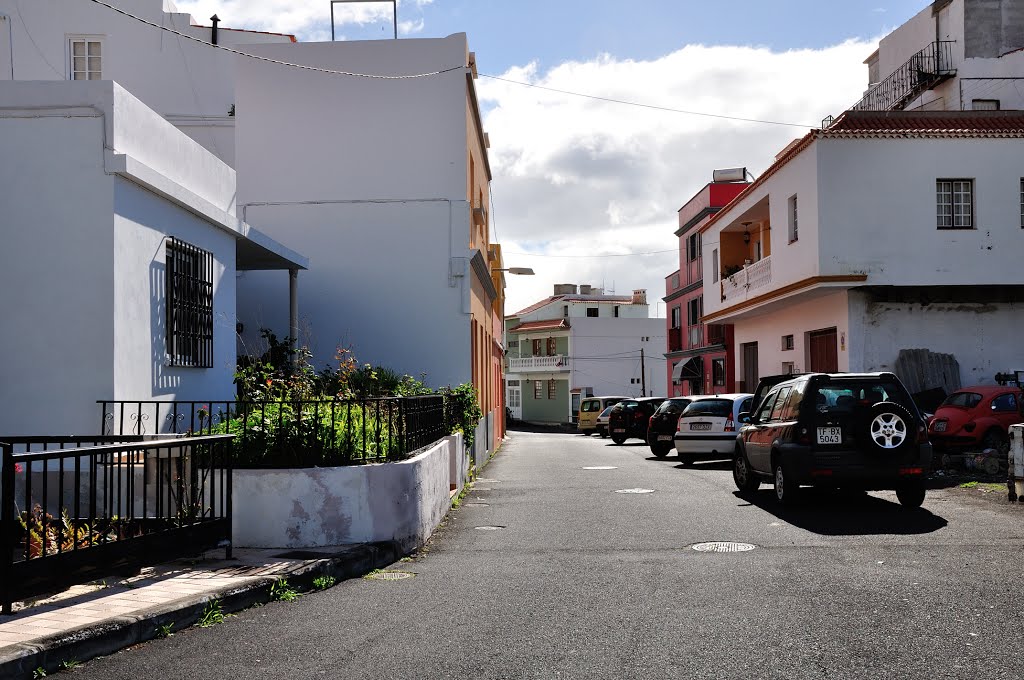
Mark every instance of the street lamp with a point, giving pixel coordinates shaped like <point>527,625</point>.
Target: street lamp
<point>519,271</point>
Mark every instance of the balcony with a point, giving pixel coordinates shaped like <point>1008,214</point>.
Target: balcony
<point>548,364</point>
<point>696,337</point>
<point>743,283</point>
<point>922,72</point>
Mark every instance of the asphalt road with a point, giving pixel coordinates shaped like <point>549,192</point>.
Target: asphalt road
<point>583,582</point>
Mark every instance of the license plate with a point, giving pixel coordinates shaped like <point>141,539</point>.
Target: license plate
<point>941,426</point>
<point>700,426</point>
<point>664,437</point>
<point>619,430</point>
<point>830,435</point>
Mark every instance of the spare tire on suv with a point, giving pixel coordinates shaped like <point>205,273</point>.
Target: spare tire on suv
<point>889,428</point>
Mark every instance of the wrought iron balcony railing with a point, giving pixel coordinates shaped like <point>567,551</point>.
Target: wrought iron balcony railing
<point>921,72</point>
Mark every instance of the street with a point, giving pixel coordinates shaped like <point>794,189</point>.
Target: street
<point>545,571</point>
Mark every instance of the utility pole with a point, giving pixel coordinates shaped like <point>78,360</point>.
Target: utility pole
<point>643,375</point>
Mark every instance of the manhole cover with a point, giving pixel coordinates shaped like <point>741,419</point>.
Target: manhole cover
<point>723,547</point>
<point>635,491</point>
<point>484,505</point>
<point>601,467</point>
<point>390,575</point>
<point>489,528</point>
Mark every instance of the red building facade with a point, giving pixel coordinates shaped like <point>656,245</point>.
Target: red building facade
<point>699,357</point>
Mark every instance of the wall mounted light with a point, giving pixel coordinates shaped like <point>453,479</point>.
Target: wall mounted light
<point>746,231</point>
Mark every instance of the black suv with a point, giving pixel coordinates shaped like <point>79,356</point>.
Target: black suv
<point>630,417</point>
<point>855,430</point>
<point>662,425</point>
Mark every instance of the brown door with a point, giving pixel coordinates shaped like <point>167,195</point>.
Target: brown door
<point>824,352</point>
<point>750,375</point>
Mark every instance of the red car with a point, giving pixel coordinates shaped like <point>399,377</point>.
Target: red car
<point>976,417</point>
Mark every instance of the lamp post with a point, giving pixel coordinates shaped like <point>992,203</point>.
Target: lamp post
<point>518,271</point>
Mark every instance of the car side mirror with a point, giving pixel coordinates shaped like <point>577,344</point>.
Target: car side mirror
<point>745,418</point>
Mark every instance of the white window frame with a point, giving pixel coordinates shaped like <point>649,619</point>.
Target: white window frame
<point>788,342</point>
<point>70,42</point>
<point>794,231</point>
<point>954,203</point>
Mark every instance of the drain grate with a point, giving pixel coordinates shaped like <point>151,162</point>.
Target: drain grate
<point>601,467</point>
<point>490,528</point>
<point>635,491</point>
<point>390,575</point>
<point>723,547</point>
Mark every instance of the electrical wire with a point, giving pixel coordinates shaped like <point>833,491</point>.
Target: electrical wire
<point>648,106</point>
<point>653,252</point>
<point>274,61</point>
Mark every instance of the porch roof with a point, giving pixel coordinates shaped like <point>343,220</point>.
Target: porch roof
<point>254,250</point>
<point>547,324</point>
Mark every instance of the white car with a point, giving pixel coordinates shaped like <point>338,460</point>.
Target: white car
<point>602,421</point>
<point>708,426</point>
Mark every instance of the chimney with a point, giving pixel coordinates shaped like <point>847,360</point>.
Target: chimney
<point>213,32</point>
<point>565,289</point>
<point>640,296</point>
<point>586,290</point>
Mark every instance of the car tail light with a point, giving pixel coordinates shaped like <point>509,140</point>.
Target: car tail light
<point>922,435</point>
<point>912,471</point>
<point>650,422</point>
<point>821,473</point>
<point>678,421</point>
<point>638,415</point>
<point>730,425</point>
<point>804,439</point>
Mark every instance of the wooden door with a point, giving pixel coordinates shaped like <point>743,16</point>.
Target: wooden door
<point>824,351</point>
<point>750,374</point>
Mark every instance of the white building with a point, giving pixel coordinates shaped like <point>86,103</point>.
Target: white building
<point>188,83</point>
<point>118,252</point>
<point>884,232</point>
<point>953,55</point>
<point>577,343</point>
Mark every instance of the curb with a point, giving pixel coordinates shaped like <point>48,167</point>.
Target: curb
<point>89,642</point>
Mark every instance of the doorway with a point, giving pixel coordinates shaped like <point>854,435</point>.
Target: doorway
<point>748,351</point>
<point>515,399</point>
<point>823,351</point>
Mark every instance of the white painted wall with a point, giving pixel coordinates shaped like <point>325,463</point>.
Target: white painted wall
<point>878,211</point>
<point>979,335</point>
<point>402,501</point>
<point>911,37</point>
<point>797,319</point>
<point>597,345</point>
<point>391,279</point>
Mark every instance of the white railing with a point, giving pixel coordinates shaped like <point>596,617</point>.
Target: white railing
<point>548,364</point>
<point>752,277</point>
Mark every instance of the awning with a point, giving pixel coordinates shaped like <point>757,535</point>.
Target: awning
<point>691,369</point>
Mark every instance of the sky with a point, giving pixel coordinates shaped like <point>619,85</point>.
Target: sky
<point>586,191</point>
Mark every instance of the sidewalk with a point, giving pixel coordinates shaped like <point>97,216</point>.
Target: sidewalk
<point>100,618</point>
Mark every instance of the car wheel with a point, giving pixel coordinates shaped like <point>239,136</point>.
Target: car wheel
<point>618,439</point>
<point>785,488</point>
<point>660,450</point>
<point>994,439</point>
<point>890,428</point>
<point>910,495</point>
<point>744,477</point>
<point>604,435</point>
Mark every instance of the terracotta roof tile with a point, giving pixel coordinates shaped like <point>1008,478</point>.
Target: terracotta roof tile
<point>547,324</point>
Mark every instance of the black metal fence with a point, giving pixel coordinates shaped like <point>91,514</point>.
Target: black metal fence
<point>922,71</point>
<point>75,509</point>
<point>296,433</point>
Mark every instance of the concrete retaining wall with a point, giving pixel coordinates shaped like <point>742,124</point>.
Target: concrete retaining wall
<point>301,508</point>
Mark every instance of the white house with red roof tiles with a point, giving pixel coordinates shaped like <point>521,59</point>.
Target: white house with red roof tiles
<point>885,232</point>
<point>577,343</point>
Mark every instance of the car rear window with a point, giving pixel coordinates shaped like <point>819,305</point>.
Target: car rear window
<point>843,396</point>
<point>590,406</point>
<point>963,399</point>
<point>717,408</point>
<point>673,405</point>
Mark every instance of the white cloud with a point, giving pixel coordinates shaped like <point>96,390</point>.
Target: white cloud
<point>309,20</point>
<point>575,176</point>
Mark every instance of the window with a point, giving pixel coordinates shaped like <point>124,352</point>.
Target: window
<point>780,401</point>
<point>787,342</point>
<point>677,317</point>
<point>984,104</point>
<point>692,248</point>
<point>552,347</point>
<point>552,389</point>
<point>764,415</point>
<point>718,372</point>
<point>538,389</point>
<point>788,368</point>
<point>565,311</point>
<point>675,281</point>
<point>714,257</point>
<point>1005,403</point>
<point>513,344</point>
<point>592,312</point>
<point>794,233</point>
<point>693,310</point>
<point>955,200</point>
<point>616,312</point>
<point>189,280</point>
<point>86,57</point>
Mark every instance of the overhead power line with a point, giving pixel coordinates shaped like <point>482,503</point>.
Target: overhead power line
<point>652,252</point>
<point>655,107</point>
<point>274,61</point>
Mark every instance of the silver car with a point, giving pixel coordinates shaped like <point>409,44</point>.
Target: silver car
<point>708,426</point>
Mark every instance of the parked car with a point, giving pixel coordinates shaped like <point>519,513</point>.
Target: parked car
<point>602,421</point>
<point>629,418</point>
<point>857,430</point>
<point>976,417</point>
<point>662,425</point>
<point>708,426</point>
<point>590,409</point>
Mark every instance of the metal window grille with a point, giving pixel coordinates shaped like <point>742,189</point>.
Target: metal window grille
<point>552,389</point>
<point>794,233</point>
<point>189,305</point>
<point>538,389</point>
<point>955,203</point>
<point>86,60</point>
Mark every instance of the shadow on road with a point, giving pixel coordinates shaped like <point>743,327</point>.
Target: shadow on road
<point>706,465</point>
<point>846,513</point>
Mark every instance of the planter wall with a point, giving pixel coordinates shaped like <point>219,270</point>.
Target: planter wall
<point>303,508</point>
